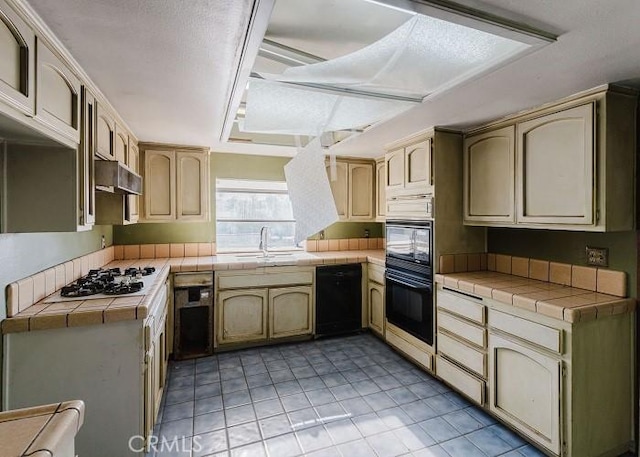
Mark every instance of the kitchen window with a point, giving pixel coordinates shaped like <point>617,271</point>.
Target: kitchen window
<point>243,207</point>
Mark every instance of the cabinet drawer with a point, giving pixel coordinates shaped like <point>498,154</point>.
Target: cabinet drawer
<point>462,329</point>
<point>466,383</point>
<point>461,306</point>
<point>265,280</point>
<point>376,273</point>
<point>422,357</point>
<point>468,357</point>
<point>541,335</point>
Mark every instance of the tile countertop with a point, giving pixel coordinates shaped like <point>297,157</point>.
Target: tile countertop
<point>76,313</point>
<point>559,301</point>
<point>40,431</point>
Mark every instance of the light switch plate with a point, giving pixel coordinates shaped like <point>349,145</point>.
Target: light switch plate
<point>598,257</point>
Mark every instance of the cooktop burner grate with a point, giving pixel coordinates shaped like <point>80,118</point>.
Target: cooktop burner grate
<point>110,281</point>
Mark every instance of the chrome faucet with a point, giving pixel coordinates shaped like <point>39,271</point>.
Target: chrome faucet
<point>264,241</point>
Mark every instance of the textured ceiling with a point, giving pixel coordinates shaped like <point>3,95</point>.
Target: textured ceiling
<point>166,65</point>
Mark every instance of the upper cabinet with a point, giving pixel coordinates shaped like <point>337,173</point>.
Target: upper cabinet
<point>176,184</point>
<point>58,94</point>
<point>409,170</point>
<point>569,166</point>
<point>352,188</point>
<point>86,184</point>
<point>17,57</point>
<point>105,134</point>
<point>489,176</point>
<point>381,194</point>
<point>555,168</point>
<point>409,179</point>
<point>121,144</point>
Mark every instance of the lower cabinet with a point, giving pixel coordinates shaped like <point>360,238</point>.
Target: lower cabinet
<point>242,315</point>
<point>290,311</point>
<point>255,306</point>
<point>376,307</point>
<point>524,390</point>
<point>376,298</point>
<point>118,370</point>
<point>549,379</point>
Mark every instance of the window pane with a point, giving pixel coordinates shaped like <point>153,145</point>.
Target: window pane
<point>246,235</point>
<point>243,207</point>
<point>254,205</point>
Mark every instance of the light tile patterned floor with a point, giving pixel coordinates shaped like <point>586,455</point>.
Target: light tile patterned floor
<point>350,396</point>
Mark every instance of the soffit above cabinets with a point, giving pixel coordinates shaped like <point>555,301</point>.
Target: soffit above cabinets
<point>340,67</point>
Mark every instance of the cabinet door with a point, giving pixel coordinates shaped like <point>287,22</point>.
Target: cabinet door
<point>86,191</point>
<point>149,390</point>
<point>394,166</point>
<point>58,94</point>
<point>340,188</point>
<point>242,315</point>
<point>192,192</point>
<point>159,367</point>
<point>105,134</point>
<point>381,194</point>
<point>290,311</point>
<point>121,144</point>
<point>555,162</point>
<point>525,390</point>
<point>376,307</point>
<point>489,177</point>
<point>17,57</point>
<point>132,161</point>
<point>417,168</point>
<point>360,192</point>
<point>159,185</point>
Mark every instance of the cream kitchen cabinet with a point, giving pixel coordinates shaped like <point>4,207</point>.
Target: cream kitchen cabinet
<point>242,315</point>
<point>121,144</point>
<point>573,168</point>
<point>270,303</point>
<point>290,311</point>
<point>86,185</point>
<point>381,194</point>
<point>462,343</point>
<point>58,94</point>
<point>352,190</point>
<point>489,177</point>
<point>409,179</point>
<point>547,378</point>
<point>68,205</point>
<point>525,389</point>
<point>176,184</point>
<point>119,371</point>
<point>17,62</point>
<point>556,159</point>
<point>376,298</point>
<point>408,170</point>
<point>133,162</point>
<point>105,133</point>
<point>156,358</point>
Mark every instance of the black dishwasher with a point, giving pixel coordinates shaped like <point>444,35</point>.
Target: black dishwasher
<point>338,299</point>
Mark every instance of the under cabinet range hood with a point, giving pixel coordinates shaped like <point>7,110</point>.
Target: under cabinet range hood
<point>113,176</point>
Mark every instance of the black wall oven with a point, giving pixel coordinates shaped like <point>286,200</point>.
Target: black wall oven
<point>409,279</point>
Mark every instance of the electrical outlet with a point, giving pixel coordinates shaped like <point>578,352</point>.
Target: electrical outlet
<point>322,234</point>
<point>366,233</point>
<point>598,257</point>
